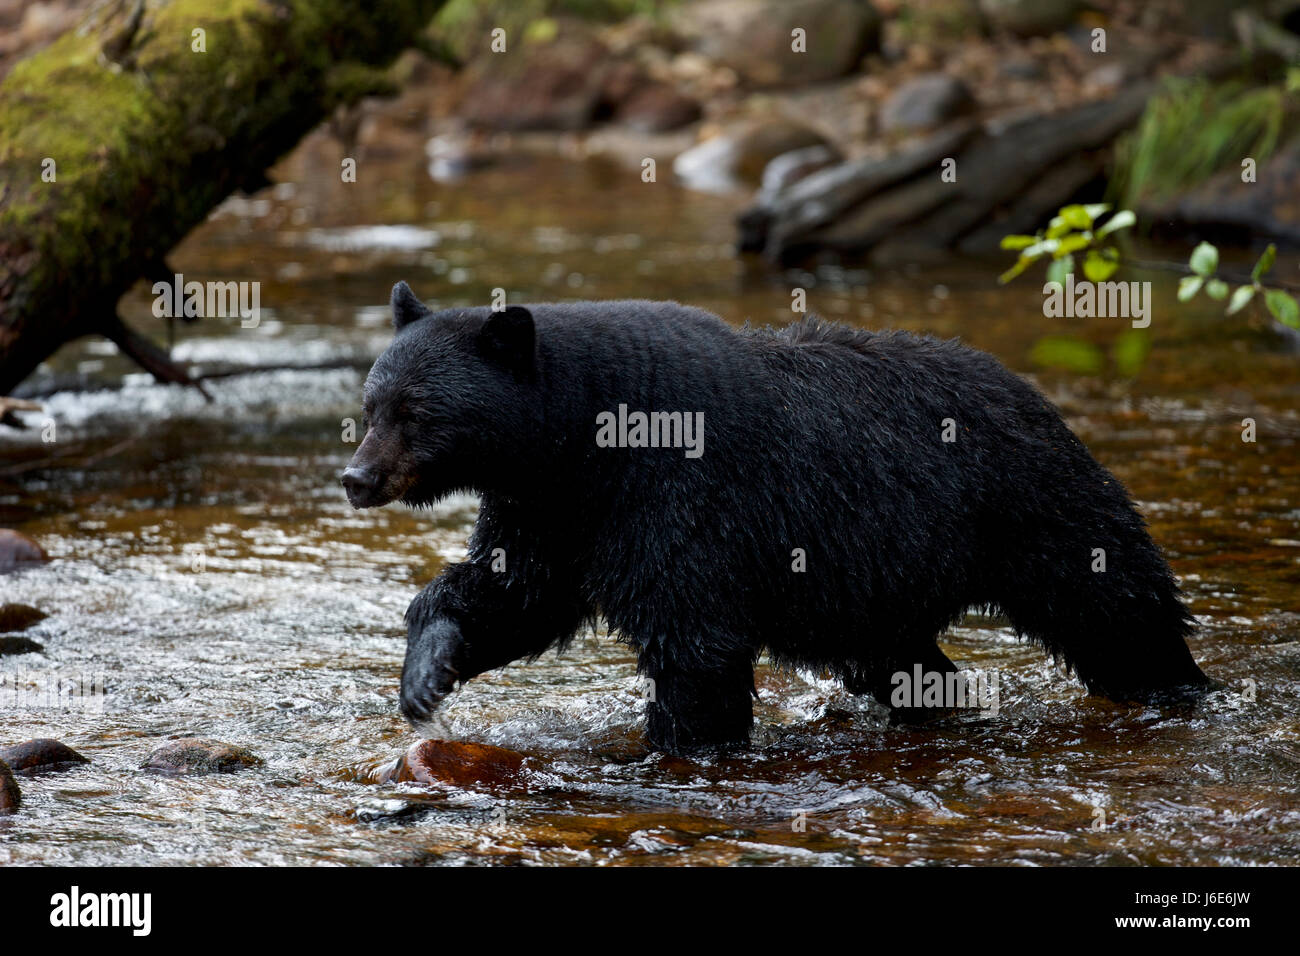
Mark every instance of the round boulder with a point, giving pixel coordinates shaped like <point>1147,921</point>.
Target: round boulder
<point>19,617</point>
<point>17,551</point>
<point>455,762</point>
<point>40,756</point>
<point>188,756</point>
<point>925,102</point>
<point>756,37</point>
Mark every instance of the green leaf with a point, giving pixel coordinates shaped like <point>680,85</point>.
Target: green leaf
<point>1121,220</point>
<point>1096,210</point>
<point>1018,242</point>
<point>1076,217</point>
<point>1284,308</point>
<point>1072,243</point>
<point>1058,227</point>
<point>1130,351</point>
<point>1204,260</point>
<point>1098,267</point>
<point>1239,299</point>
<point>1265,263</point>
<point>1216,289</point>
<point>1188,286</point>
<point>1060,268</point>
<point>1072,354</point>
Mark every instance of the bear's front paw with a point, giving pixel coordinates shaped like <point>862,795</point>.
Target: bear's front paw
<point>431,670</point>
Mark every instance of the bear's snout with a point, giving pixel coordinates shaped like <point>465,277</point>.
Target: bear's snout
<point>362,486</point>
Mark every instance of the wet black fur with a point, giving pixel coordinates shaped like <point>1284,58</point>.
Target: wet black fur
<point>817,437</point>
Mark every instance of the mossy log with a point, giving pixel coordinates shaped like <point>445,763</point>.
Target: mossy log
<point>125,133</point>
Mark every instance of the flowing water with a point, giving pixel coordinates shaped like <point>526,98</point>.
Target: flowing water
<point>210,577</point>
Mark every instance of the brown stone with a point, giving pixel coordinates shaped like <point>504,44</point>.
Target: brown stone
<point>559,85</point>
<point>657,107</point>
<point>11,798</point>
<point>19,617</point>
<point>455,762</point>
<point>753,37</point>
<point>925,102</point>
<point>17,551</point>
<point>187,756</point>
<point>40,755</point>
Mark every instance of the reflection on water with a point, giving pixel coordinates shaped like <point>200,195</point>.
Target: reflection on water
<point>208,570</point>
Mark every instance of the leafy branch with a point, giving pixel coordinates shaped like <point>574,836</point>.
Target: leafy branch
<point>1073,230</point>
<point>1204,264</point>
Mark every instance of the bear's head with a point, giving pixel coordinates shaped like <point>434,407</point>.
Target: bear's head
<point>445,405</point>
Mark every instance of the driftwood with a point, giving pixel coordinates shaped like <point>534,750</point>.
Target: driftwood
<point>121,136</point>
<point>825,196</point>
<point>900,204</point>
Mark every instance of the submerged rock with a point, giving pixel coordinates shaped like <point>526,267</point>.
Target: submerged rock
<point>454,762</point>
<point>40,755</point>
<point>19,617</point>
<point>11,798</point>
<point>19,645</point>
<point>17,551</point>
<point>197,755</point>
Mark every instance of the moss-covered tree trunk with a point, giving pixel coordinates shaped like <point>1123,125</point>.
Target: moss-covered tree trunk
<point>121,137</point>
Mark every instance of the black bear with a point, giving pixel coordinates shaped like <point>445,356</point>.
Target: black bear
<point>835,496</point>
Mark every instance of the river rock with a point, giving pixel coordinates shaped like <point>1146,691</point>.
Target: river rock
<point>19,645</point>
<point>11,798</point>
<point>555,85</point>
<point>197,755</point>
<point>753,37</point>
<point>657,108</point>
<point>19,617</point>
<point>40,755</point>
<point>1030,17</point>
<point>17,551</point>
<point>740,153</point>
<point>925,102</point>
<point>455,762</point>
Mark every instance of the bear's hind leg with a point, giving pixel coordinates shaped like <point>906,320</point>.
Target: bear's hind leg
<point>698,706</point>
<point>1132,652</point>
<point>1122,631</point>
<point>893,681</point>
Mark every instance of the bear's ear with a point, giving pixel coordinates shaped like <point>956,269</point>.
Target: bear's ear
<point>507,338</point>
<point>406,307</point>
